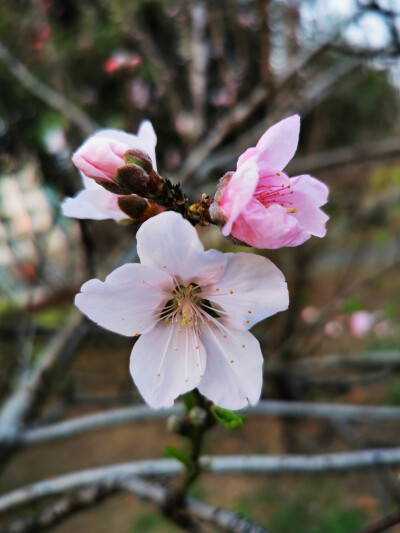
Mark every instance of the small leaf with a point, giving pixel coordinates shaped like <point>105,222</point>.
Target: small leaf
<point>180,456</point>
<point>189,399</point>
<point>227,418</point>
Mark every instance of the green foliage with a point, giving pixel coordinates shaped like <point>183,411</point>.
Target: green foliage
<point>228,419</point>
<point>352,305</point>
<point>150,522</point>
<point>179,455</point>
<point>393,394</point>
<point>314,508</point>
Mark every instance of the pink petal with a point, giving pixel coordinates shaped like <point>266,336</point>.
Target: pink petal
<point>311,218</point>
<point>233,376</point>
<point>278,144</point>
<point>166,363</point>
<point>238,193</point>
<point>252,289</point>
<point>99,158</point>
<point>123,303</point>
<point>266,228</point>
<point>248,154</point>
<point>169,242</point>
<point>314,188</point>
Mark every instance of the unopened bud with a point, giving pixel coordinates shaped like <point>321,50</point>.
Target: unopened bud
<point>178,424</point>
<point>197,415</point>
<point>137,176</point>
<point>139,209</point>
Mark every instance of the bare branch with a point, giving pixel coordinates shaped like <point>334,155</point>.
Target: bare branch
<point>276,408</point>
<point>383,524</point>
<point>230,464</point>
<point>48,95</point>
<point>89,496</point>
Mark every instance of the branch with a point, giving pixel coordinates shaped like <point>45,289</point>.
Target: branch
<point>383,524</point>
<point>125,415</point>
<point>89,496</point>
<point>48,95</point>
<point>230,464</point>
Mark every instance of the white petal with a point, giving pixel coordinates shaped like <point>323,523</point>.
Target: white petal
<point>123,303</point>
<point>233,376</point>
<point>252,289</point>
<point>169,242</point>
<point>167,362</point>
<point>93,203</point>
<point>148,137</point>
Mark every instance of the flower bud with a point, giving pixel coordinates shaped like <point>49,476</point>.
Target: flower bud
<point>137,176</point>
<point>139,209</point>
<point>197,415</point>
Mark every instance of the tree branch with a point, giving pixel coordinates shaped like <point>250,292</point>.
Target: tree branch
<point>230,464</point>
<point>116,417</point>
<point>48,95</point>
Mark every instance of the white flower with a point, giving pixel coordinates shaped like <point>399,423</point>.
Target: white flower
<point>99,158</point>
<point>192,310</point>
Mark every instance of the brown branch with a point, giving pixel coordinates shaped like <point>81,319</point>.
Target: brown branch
<point>382,525</point>
<point>48,95</point>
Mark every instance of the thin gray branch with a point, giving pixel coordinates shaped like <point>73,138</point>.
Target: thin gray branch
<point>115,417</point>
<point>87,497</point>
<point>230,464</point>
<point>48,95</point>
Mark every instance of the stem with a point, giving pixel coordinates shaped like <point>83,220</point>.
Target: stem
<point>196,437</point>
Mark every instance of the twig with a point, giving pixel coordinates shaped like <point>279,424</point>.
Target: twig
<point>382,525</point>
<point>48,95</point>
<point>62,509</point>
<point>116,417</point>
<point>230,464</point>
<point>89,496</point>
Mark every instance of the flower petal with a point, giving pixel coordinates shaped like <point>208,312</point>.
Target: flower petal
<point>249,153</point>
<point>263,227</point>
<point>169,242</point>
<point>233,376</point>
<point>238,193</point>
<point>128,300</point>
<point>314,188</point>
<point>252,289</point>
<point>166,363</point>
<point>278,144</point>
<point>96,204</point>
<point>311,218</point>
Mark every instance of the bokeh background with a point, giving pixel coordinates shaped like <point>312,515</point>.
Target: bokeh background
<point>211,76</point>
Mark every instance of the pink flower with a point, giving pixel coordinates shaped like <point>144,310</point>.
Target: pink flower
<point>97,158</point>
<point>192,310</point>
<point>260,205</point>
<point>361,323</point>
<point>102,154</point>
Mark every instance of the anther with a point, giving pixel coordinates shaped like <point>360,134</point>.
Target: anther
<point>232,361</point>
<point>136,334</point>
<point>230,292</point>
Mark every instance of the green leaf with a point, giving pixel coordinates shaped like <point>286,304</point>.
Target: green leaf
<point>228,419</point>
<point>180,456</point>
<point>189,399</point>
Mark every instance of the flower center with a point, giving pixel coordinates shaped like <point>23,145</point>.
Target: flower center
<point>275,194</point>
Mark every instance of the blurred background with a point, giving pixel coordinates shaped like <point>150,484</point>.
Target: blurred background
<point>211,76</point>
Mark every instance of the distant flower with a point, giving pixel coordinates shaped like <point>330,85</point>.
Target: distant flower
<point>361,323</point>
<point>99,159</point>
<point>334,328</point>
<point>192,310</point>
<point>122,61</point>
<point>261,206</point>
<point>310,314</point>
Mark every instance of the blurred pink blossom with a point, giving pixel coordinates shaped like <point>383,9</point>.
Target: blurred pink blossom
<point>122,61</point>
<point>334,328</point>
<point>310,314</point>
<point>361,323</point>
<point>260,205</point>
